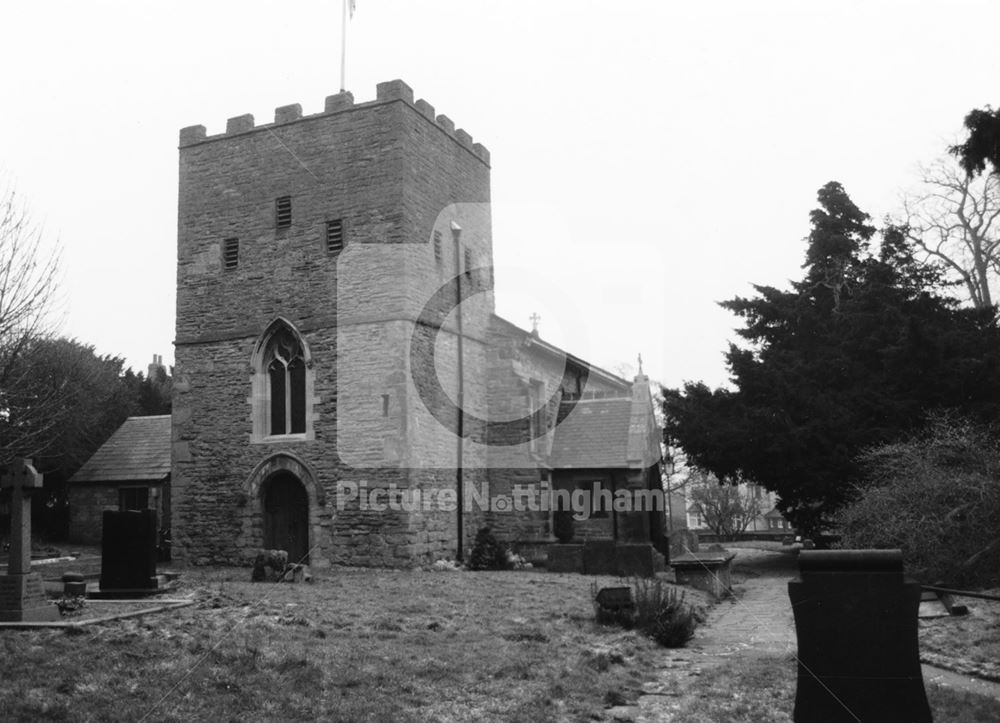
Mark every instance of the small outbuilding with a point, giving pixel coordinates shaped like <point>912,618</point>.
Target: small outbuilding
<point>131,471</point>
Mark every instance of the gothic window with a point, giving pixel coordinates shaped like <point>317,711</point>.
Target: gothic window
<point>281,386</point>
<point>286,384</point>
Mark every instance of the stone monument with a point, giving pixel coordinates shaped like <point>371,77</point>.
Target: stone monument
<point>22,595</point>
<point>856,623</point>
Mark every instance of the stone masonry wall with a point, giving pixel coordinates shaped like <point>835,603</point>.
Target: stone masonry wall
<point>88,501</point>
<point>516,360</point>
<point>388,169</point>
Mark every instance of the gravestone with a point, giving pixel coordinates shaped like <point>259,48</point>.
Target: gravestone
<point>856,622</point>
<point>128,553</point>
<point>22,595</point>
<point>614,605</point>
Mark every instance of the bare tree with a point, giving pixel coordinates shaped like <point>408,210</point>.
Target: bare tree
<point>727,509</point>
<point>28,284</point>
<point>952,218</point>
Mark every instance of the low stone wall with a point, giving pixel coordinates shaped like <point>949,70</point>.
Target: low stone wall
<point>605,557</point>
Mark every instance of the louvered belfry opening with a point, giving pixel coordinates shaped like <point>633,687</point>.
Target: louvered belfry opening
<point>283,212</point>
<point>231,253</point>
<point>334,236</point>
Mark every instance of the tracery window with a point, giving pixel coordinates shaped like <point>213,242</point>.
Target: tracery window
<point>282,386</point>
<point>286,384</point>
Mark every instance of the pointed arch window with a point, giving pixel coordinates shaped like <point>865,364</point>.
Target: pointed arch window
<point>282,385</point>
<point>286,380</point>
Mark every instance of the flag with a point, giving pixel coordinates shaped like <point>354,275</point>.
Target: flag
<point>353,3</point>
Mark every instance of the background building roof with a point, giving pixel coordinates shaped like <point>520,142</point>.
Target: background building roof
<point>139,450</point>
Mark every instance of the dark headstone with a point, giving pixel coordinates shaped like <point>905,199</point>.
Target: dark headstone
<point>615,598</point>
<point>128,551</point>
<point>856,622</point>
<point>614,605</point>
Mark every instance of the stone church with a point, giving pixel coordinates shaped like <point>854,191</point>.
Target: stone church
<point>343,388</point>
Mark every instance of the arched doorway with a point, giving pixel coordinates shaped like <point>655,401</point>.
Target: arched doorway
<point>286,516</point>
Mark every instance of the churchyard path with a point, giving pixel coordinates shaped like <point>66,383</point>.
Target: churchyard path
<point>757,620</point>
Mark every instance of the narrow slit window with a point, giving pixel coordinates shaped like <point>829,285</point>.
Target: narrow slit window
<point>468,263</point>
<point>334,236</point>
<point>438,257</point>
<point>231,253</point>
<point>283,212</point>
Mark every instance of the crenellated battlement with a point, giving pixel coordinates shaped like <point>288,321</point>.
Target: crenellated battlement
<point>388,92</point>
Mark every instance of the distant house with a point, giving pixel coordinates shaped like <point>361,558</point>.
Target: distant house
<point>769,518</point>
<point>776,521</point>
<point>131,471</point>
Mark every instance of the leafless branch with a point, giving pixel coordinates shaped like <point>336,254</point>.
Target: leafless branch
<point>28,285</point>
<point>950,218</point>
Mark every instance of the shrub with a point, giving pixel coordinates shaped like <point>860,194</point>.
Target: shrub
<point>487,553</point>
<point>659,612</point>
<point>663,614</point>
<point>937,497</point>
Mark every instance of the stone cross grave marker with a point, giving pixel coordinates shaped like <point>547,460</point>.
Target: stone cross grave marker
<point>22,595</point>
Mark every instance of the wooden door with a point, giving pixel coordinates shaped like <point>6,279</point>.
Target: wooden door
<point>286,517</point>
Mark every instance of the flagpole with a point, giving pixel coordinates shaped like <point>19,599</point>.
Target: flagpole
<point>343,46</point>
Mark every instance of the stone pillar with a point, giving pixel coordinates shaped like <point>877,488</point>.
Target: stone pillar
<point>856,623</point>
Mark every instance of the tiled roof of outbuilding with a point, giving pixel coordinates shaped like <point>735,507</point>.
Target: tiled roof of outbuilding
<point>594,434</point>
<point>138,450</point>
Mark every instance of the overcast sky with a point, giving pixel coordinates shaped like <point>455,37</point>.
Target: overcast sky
<point>649,158</point>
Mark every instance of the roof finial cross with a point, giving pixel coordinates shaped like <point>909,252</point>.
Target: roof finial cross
<point>640,363</point>
<point>535,318</point>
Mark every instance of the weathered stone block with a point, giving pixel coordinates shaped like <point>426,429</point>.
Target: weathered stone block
<point>565,558</point>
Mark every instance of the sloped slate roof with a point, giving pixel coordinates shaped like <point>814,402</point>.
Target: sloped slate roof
<point>139,450</point>
<point>593,435</point>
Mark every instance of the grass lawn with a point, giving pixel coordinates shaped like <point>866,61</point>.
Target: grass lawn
<point>387,645</point>
<point>353,645</point>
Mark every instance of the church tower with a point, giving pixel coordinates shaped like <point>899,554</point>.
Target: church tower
<point>320,259</point>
